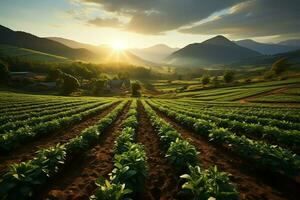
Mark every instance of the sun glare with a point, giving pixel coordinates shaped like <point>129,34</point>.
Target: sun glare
<point>118,46</point>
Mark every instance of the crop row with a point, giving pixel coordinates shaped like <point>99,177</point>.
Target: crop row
<point>127,179</point>
<point>11,108</point>
<point>23,179</point>
<point>274,113</point>
<point>33,108</point>
<point>12,140</point>
<point>288,138</point>
<point>257,109</point>
<point>263,155</point>
<point>62,112</point>
<point>245,117</point>
<point>198,183</point>
<point>39,112</point>
<point>6,105</point>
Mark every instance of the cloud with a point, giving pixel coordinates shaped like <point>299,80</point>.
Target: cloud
<point>106,22</point>
<point>159,16</point>
<point>255,18</point>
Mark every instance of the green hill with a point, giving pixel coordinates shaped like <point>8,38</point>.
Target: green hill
<point>29,41</point>
<point>28,54</point>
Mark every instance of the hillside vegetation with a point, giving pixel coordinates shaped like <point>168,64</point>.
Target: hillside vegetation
<point>28,54</point>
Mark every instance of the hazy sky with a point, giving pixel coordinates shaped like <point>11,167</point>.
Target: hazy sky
<point>142,23</point>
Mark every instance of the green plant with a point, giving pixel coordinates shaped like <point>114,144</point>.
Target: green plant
<point>110,191</point>
<point>210,183</point>
<point>131,168</point>
<point>181,154</point>
<point>124,140</point>
<point>21,179</point>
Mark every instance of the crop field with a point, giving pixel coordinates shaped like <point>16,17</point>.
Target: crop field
<point>119,148</point>
<point>284,91</point>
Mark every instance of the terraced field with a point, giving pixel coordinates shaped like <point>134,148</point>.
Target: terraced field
<point>119,148</point>
<point>285,91</point>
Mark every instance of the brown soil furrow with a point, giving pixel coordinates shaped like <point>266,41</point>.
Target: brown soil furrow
<point>28,151</point>
<point>77,179</point>
<point>274,91</point>
<point>162,181</point>
<point>250,184</point>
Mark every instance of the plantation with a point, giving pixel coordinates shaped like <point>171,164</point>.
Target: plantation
<point>125,148</point>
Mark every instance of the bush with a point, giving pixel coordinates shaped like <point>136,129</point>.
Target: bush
<point>4,72</point>
<point>54,74</point>
<point>69,84</point>
<point>280,66</point>
<point>205,80</point>
<point>135,89</point>
<point>269,75</point>
<point>228,76</point>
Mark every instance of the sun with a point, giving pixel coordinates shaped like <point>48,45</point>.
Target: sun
<point>118,46</point>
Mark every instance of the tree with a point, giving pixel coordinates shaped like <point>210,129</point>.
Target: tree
<point>123,75</point>
<point>135,89</point>
<point>4,72</point>
<point>69,83</point>
<point>54,74</point>
<point>228,76</point>
<point>280,66</point>
<point>98,86</point>
<point>205,80</point>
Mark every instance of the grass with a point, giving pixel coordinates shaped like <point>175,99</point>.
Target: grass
<point>30,55</point>
<point>281,98</point>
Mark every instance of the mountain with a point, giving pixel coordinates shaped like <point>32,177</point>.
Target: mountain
<point>267,49</point>
<point>293,42</point>
<point>70,43</point>
<point>156,53</point>
<point>29,41</point>
<point>213,52</point>
<point>106,53</point>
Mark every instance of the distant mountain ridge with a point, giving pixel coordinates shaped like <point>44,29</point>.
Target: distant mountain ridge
<point>212,52</point>
<point>68,48</point>
<point>106,53</point>
<point>29,41</point>
<point>267,49</point>
<point>156,53</point>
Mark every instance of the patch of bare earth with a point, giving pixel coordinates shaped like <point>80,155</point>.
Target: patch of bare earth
<point>275,91</point>
<point>77,179</point>
<point>28,151</point>
<point>251,184</point>
<point>163,180</point>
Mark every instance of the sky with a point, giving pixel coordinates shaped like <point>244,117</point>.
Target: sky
<point>143,23</point>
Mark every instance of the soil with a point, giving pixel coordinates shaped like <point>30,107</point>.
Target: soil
<point>28,151</point>
<point>163,180</point>
<point>77,179</point>
<point>251,184</point>
<point>275,91</point>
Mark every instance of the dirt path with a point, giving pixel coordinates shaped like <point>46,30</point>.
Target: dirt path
<point>162,181</point>
<point>28,151</point>
<point>77,180</point>
<point>250,185</point>
<point>274,91</point>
